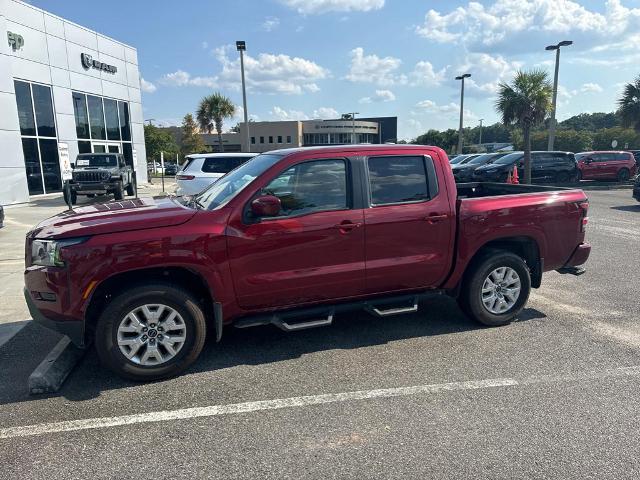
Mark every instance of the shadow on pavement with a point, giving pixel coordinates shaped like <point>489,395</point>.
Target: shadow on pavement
<point>627,208</point>
<point>253,346</point>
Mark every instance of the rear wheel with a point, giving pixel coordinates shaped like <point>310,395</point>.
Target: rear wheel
<point>132,188</point>
<point>623,175</point>
<point>578,176</point>
<point>562,177</point>
<point>496,288</point>
<point>151,332</point>
<point>118,193</point>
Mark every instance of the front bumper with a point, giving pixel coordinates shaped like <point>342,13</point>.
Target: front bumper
<point>93,188</point>
<point>72,329</point>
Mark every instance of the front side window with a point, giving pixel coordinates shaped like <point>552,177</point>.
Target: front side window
<point>310,187</point>
<point>219,164</point>
<point>397,180</point>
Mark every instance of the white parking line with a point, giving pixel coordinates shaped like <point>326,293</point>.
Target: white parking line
<point>196,412</point>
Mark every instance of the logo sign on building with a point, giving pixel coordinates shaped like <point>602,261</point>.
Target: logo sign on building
<point>88,62</point>
<point>65,161</point>
<point>16,41</point>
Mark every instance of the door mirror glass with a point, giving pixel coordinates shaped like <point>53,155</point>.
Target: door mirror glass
<point>266,206</point>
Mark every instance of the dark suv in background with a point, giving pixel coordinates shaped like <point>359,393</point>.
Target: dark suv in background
<point>463,172</point>
<point>551,167</point>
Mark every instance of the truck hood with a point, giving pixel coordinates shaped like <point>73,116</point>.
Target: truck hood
<point>112,217</point>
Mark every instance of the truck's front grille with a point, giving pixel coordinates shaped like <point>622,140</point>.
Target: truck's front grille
<point>90,176</point>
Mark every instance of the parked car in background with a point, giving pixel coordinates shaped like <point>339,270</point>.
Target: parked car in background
<point>549,167</point>
<point>170,169</point>
<point>291,238</point>
<point>458,159</point>
<point>101,174</point>
<point>463,172</point>
<point>603,165</point>
<point>201,170</point>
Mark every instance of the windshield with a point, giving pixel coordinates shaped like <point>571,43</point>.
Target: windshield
<point>458,159</point>
<point>96,161</point>
<point>482,159</point>
<point>508,159</point>
<point>235,181</point>
<point>580,156</point>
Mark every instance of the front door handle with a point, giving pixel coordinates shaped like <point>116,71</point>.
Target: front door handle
<point>347,226</point>
<point>436,218</point>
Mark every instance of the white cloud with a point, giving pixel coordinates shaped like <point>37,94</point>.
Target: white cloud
<point>312,7</point>
<point>374,69</point>
<point>180,78</point>
<point>278,113</point>
<point>147,87</point>
<point>591,88</point>
<point>270,24</point>
<point>379,96</point>
<point>271,73</point>
<point>450,110</point>
<point>325,112</point>
<point>424,75</point>
<point>524,25</point>
<point>488,72</point>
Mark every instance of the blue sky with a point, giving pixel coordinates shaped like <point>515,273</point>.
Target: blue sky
<point>319,58</point>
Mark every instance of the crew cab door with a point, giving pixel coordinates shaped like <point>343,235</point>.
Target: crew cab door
<point>312,251</point>
<point>409,224</point>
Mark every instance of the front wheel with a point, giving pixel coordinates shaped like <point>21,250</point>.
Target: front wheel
<point>623,175</point>
<point>496,288</point>
<point>118,193</point>
<point>151,332</point>
<point>132,188</point>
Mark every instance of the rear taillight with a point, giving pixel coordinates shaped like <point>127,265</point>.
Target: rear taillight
<point>584,207</point>
<point>185,177</point>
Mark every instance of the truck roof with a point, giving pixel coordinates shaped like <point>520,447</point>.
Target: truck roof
<point>347,147</point>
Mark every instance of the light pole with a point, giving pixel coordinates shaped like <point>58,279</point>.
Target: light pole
<point>552,121</point>
<point>352,116</point>
<point>150,120</point>
<point>461,77</point>
<point>480,139</point>
<point>241,47</point>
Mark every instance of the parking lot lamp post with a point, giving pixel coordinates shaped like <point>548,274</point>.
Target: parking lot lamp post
<point>461,77</point>
<point>480,138</point>
<point>552,121</point>
<point>241,47</point>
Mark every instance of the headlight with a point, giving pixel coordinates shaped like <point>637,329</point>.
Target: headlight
<point>47,252</point>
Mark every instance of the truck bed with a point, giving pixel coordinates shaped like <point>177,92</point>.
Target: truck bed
<point>489,189</point>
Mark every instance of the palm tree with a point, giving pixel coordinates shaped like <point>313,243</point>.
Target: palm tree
<point>213,109</point>
<point>630,105</point>
<point>525,104</point>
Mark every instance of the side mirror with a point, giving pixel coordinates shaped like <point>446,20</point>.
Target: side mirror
<point>73,165</point>
<point>266,206</point>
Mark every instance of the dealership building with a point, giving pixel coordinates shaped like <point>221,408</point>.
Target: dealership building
<point>64,90</point>
<point>265,136</point>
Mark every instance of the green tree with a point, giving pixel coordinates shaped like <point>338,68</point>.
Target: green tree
<point>192,141</point>
<point>625,136</point>
<point>629,105</point>
<point>525,104</point>
<point>159,140</point>
<point>212,111</point>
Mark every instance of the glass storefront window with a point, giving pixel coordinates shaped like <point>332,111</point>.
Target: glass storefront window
<point>128,153</point>
<point>125,128</point>
<point>32,165</point>
<point>43,107</point>
<point>50,165</point>
<point>84,147</point>
<point>80,112</point>
<point>96,117</point>
<point>111,117</point>
<point>25,108</point>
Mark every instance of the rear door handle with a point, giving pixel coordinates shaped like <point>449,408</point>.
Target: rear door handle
<point>436,218</point>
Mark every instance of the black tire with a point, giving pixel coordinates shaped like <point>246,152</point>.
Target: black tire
<point>579,176</point>
<point>623,175</point>
<point>157,293</point>
<point>73,195</point>
<point>470,299</point>
<point>118,193</point>
<point>132,188</point>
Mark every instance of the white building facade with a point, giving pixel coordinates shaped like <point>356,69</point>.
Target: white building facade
<point>62,88</point>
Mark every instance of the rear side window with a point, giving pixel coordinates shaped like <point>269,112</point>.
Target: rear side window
<point>222,164</point>
<point>397,179</point>
<point>188,161</point>
<point>623,156</point>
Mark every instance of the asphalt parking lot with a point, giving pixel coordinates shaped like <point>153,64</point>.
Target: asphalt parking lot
<point>426,395</point>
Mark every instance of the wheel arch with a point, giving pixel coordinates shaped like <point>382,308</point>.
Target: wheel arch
<point>186,278</point>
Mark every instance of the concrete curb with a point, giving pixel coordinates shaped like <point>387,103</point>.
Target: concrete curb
<point>54,369</point>
<point>9,330</point>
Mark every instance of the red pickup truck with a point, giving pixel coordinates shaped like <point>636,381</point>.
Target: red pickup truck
<point>291,238</point>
